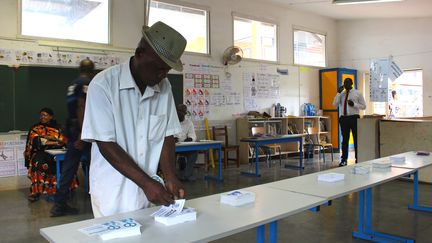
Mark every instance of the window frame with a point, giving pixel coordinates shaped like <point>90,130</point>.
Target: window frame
<point>187,5</point>
<point>262,20</point>
<point>300,28</point>
<point>68,42</point>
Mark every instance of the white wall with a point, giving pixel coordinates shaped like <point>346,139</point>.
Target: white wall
<point>409,41</point>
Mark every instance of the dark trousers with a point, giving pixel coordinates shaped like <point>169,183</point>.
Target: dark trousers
<point>348,124</point>
<point>69,168</point>
<point>191,158</point>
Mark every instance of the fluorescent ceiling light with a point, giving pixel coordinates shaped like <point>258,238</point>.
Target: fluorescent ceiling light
<point>347,2</point>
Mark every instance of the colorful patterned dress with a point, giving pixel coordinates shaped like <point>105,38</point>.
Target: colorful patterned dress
<point>41,165</point>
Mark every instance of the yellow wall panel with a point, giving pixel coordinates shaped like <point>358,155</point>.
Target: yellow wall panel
<point>328,89</point>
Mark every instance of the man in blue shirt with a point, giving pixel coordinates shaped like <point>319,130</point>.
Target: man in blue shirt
<point>77,149</point>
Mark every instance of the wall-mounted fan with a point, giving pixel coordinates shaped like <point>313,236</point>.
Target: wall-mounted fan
<point>232,55</point>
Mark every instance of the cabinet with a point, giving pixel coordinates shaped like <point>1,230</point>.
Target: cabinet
<point>319,128</point>
<point>330,80</point>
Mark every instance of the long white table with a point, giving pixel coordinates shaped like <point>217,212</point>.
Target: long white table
<point>214,220</point>
<point>309,185</point>
<point>415,162</point>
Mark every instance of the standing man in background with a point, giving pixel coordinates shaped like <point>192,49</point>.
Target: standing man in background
<point>131,118</point>
<point>76,148</point>
<point>350,102</point>
<point>186,135</point>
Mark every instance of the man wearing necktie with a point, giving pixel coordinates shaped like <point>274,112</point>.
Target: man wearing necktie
<point>350,102</point>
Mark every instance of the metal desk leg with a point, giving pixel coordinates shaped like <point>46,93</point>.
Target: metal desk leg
<point>273,232</point>
<point>364,228</point>
<point>300,167</point>
<point>219,177</point>
<point>260,236</point>
<point>415,205</point>
<point>57,171</point>
<point>246,173</point>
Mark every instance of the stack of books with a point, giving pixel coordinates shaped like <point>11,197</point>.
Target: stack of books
<point>237,198</point>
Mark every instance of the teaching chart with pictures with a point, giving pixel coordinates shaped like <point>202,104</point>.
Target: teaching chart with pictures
<point>12,158</point>
<point>259,85</point>
<point>205,87</point>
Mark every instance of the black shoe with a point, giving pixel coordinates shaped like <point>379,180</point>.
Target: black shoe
<point>342,163</point>
<point>62,209</point>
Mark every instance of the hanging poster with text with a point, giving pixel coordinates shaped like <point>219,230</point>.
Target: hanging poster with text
<point>11,158</point>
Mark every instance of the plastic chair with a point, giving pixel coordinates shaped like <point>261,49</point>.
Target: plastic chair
<point>222,132</point>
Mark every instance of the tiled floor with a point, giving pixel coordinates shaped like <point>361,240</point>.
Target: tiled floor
<point>20,220</point>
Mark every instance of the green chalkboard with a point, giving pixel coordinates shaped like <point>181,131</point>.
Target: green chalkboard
<point>24,91</point>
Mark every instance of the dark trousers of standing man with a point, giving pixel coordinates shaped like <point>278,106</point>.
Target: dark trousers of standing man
<point>348,124</point>
<point>69,168</point>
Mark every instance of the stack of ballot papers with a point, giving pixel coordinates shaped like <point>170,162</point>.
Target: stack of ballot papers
<point>175,213</point>
<point>382,164</point>
<point>331,177</point>
<point>397,159</point>
<point>237,198</point>
<point>361,170</point>
<point>114,229</point>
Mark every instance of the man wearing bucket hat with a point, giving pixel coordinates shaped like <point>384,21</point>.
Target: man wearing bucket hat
<point>130,117</point>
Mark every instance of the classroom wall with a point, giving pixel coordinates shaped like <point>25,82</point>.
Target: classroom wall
<point>408,40</point>
<point>128,16</point>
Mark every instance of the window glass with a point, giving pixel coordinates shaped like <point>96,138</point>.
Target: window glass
<point>309,48</point>
<point>82,20</point>
<point>256,39</point>
<point>192,23</point>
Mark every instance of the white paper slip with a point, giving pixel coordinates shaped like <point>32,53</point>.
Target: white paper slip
<point>382,164</point>
<point>237,198</point>
<point>173,209</point>
<point>187,214</point>
<point>331,177</point>
<point>114,229</point>
<point>397,159</point>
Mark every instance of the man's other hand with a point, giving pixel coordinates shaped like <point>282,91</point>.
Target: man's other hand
<point>350,103</point>
<point>188,139</point>
<point>175,188</point>
<point>157,194</point>
<point>340,89</point>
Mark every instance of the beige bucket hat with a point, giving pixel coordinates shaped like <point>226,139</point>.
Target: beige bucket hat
<point>167,43</point>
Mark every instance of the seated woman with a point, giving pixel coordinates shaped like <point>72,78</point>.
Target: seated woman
<point>41,166</point>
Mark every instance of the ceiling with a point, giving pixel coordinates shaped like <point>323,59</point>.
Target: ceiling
<point>405,9</point>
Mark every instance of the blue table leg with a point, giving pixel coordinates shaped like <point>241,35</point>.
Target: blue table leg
<point>415,205</point>
<point>364,228</point>
<point>300,167</point>
<point>220,165</point>
<point>260,237</point>
<point>273,232</point>
<point>256,174</point>
<point>57,158</point>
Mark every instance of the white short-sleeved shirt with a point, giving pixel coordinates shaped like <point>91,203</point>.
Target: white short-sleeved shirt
<point>188,130</point>
<point>117,112</point>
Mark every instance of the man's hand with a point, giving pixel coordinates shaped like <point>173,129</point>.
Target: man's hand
<point>176,140</point>
<point>340,89</point>
<point>175,188</point>
<point>157,194</point>
<point>188,139</point>
<point>350,103</point>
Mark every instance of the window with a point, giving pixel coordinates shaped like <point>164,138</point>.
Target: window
<point>406,97</point>
<point>309,48</point>
<point>192,23</point>
<point>256,39</point>
<point>82,20</point>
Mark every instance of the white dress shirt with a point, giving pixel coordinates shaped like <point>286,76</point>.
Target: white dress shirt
<point>116,111</point>
<point>354,96</point>
<point>188,131</point>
